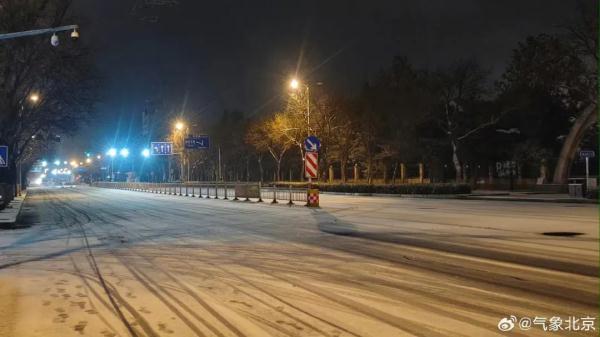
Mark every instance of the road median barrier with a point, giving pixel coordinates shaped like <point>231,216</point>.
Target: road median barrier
<point>234,191</point>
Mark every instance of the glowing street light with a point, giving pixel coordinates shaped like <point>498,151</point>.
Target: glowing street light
<point>88,160</point>
<point>74,164</point>
<point>44,163</point>
<point>112,152</point>
<point>57,162</point>
<point>294,84</point>
<point>34,98</point>
<point>145,153</point>
<point>179,125</point>
<point>98,157</point>
<point>124,152</point>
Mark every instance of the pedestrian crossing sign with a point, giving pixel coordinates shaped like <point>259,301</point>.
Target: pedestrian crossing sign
<point>3,156</point>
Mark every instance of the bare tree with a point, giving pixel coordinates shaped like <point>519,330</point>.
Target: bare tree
<point>43,90</point>
<point>583,37</point>
<point>461,87</point>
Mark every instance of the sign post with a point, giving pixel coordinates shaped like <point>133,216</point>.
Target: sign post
<point>311,169</point>
<point>587,154</point>
<point>311,164</point>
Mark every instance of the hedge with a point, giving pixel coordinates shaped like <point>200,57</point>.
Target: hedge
<point>391,189</point>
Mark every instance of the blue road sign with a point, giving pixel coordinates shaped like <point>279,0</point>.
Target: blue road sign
<point>312,144</point>
<point>197,142</point>
<point>3,156</point>
<point>161,148</point>
<point>587,154</point>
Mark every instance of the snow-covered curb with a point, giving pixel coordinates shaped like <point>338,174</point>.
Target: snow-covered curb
<point>9,215</point>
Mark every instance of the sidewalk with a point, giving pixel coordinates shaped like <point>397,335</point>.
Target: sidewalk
<point>526,196</point>
<point>8,216</point>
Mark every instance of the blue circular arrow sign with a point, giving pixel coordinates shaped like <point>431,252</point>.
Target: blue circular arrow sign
<point>312,144</point>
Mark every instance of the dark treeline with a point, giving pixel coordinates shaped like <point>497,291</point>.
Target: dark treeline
<point>456,120</point>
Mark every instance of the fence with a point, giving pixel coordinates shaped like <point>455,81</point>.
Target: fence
<point>216,190</point>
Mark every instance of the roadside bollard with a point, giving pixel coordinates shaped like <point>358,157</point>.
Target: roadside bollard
<point>259,192</point>
<point>193,190</point>
<point>186,190</point>
<point>290,203</point>
<point>180,188</point>
<point>225,190</point>
<point>312,197</point>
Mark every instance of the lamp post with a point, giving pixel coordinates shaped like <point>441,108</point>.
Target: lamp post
<point>112,153</point>
<point>179,128</point>
<point>295,85</point>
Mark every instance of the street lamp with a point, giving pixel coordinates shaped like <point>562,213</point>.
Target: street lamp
<point>179,127</point>
<point>295,85</point>
<point>34,98</point>
<point>88,160</point>
<point>124,152</point>
<point>145,153</point>
<point>112,153</point>
<point>57,162</point>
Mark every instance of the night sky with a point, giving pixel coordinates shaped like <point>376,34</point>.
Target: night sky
<point>202,57</point>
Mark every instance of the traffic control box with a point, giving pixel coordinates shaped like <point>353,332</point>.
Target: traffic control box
<point>312,197</point>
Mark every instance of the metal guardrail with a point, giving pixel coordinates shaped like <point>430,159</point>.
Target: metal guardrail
<point>216,190</point>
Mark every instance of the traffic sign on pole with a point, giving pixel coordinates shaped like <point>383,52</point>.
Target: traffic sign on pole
<point>3,156</point>
<point>312,144</point>
<point>197,142</point>
<point>161,148</point>
<point>587,154</point>
<point>311,164</point>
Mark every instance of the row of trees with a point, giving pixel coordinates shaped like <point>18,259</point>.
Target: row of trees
<point>45,92</point>
<point>539,112</point>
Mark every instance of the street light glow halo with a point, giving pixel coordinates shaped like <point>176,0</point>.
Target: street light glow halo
<point>294,83</point>
<point>112,152</point>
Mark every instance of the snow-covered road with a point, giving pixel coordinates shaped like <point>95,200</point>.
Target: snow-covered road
<point>99,262</point>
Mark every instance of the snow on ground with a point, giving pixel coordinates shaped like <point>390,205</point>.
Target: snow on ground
<point>97,262</point>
